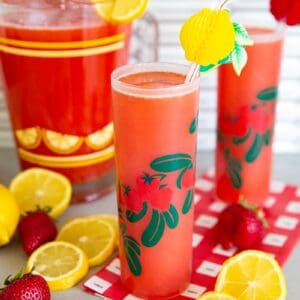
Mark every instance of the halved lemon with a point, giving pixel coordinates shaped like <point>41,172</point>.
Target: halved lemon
<point>40,187</point>
<point>61,264</point>
<point>215,296</point>
<point>113,220</point>
<point>61,143</point>
<point>97,238</point>
<point>121,11</point>
<point>29,138</point>
<point>101,138</point>
<point>251,275</point>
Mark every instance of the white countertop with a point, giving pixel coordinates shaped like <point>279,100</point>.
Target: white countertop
<point>12,258</point>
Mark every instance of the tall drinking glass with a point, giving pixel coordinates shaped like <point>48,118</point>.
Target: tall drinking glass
<point>57,58</point>
<point>155,120</point>
<point>246,117</point>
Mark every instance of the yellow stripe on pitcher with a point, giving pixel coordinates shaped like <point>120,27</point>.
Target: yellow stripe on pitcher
<point>63,45</point>
<point>75,161</point>
<point>62,53</point>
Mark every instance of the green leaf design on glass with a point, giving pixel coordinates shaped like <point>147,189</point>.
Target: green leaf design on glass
<point>188,202</point>
<point>220,136</point>
<point>241,35</point>
<point>132,254</point>
<point>268,137</point>
<point>268,94</point>
<point>135,217</point>
<point>123,228</point>
<point>155,229</point>
<point>237,140</point>
<point>239,58</point>
<point>171,163</point>
<point>179,178</point>
<point>255,149</point>
<point>171,217</point>
<point>193,126</point>
<point>234,168</point>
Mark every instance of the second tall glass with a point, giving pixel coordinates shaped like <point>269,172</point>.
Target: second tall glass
<point>155,121</point>
<point>246,117</point>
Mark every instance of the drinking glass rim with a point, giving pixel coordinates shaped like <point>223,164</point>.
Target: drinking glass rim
<point>160,92</point>
<point>274,33</point>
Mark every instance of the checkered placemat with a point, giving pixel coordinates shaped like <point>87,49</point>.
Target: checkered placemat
<point>283,216</point>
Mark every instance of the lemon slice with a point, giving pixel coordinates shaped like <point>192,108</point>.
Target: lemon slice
<point>29,138</point>
<point>97,238</point>
<point>61,143</point>
<point>9,215</point>
<point>215,296</point>
<point>101,138</point>
<point>121,11</point>
<point>113,220</point>
<point>40,187</point>
<point>250,275</point>
<point>61,264</point>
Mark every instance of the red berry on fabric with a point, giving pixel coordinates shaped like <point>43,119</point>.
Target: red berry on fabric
<point>240,226</point>
<point>249,232</point>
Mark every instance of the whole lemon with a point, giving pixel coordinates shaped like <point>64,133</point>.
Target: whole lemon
<point>9,215</point>
<point>208,36</point>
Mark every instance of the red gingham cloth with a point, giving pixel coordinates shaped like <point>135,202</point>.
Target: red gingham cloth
<point>282,213</point>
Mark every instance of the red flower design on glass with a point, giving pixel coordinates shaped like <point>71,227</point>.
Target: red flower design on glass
<point>161,199</point>
<point>134,201</point>
<point>147,184</point>
<point>260,120</point>
<point>188,179</point>
<point>148,189</point>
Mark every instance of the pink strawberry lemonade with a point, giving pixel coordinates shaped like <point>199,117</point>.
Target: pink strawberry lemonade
<point>155,119</point>
<point>246,117</point>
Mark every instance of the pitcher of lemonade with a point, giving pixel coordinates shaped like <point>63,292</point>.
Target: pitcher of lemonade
<point>57,57</point>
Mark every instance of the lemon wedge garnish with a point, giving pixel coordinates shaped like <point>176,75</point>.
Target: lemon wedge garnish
<point>121,11</point>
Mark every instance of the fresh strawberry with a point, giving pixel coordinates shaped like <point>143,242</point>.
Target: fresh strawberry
<point>287,11</point>
<point>35,229</point>
<point>241,226</point>
<point>25,287</point>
